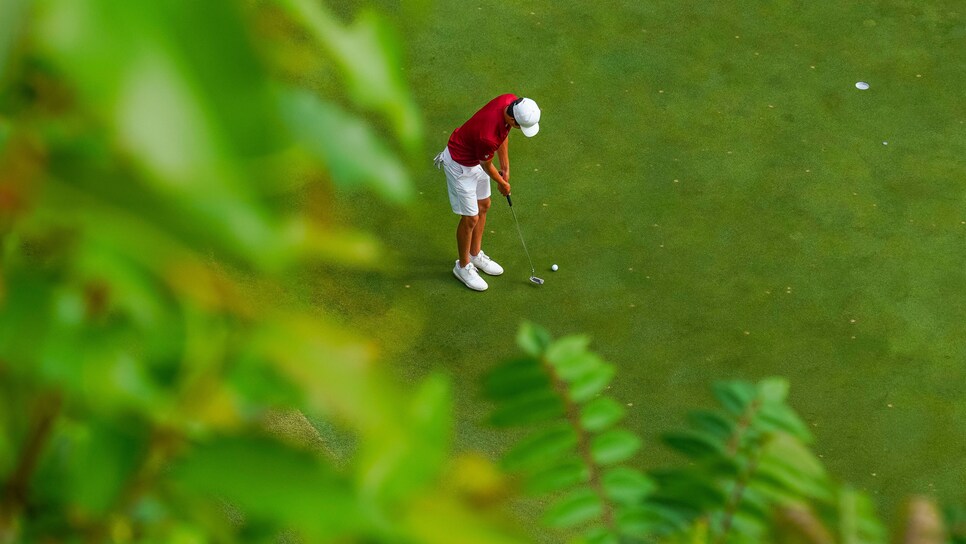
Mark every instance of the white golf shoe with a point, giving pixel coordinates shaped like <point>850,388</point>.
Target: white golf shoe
<point>486,264</point>
<point>469,276</point>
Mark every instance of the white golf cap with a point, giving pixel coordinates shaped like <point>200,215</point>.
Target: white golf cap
<point>527,115</point>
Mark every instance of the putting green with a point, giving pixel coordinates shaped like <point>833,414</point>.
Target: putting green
<point>723,202</point>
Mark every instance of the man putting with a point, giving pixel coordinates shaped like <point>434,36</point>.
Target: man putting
<point>468,164</point>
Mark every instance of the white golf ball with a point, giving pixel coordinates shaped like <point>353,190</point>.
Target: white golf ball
<point>861,85</point>
<point>554,268</point>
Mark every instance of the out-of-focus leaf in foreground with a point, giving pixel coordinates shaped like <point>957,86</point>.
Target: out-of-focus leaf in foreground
<point>12,15</point>
<point>354,154</point>
<point>164,86</point>
<point>160,187</point>
<point>367,53</point>
<point>267,480</point>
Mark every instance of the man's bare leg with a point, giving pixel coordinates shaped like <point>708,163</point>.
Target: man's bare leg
<point>477,243</point>
<point>464,237</point>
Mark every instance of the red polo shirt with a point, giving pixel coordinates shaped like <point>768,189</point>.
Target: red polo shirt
<point>477,140</point>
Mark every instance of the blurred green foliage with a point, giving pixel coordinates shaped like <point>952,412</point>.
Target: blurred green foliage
<point>750,477</point>
<point>161,380</point>
<point>575,448</point>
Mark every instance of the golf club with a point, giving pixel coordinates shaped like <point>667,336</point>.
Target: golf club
<point>533,272</point>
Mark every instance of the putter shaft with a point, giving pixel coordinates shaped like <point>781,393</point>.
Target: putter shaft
<point>533,271</point>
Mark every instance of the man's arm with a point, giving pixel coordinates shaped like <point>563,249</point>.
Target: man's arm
<point>495,176</point>
<point>504,153</point>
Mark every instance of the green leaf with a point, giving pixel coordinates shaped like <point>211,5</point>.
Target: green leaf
<point>713,423</point>
<point>559,477</point>
<point>533,339</point>
<point>431,430</point>
<point>600,414</point>
<point>431,412</point>
<point>516,377</point>
<point>773,390</point>
<point>543,447</point>
<point>230,88</point>
<point>185,107</point>
<point>271,483</point>
<point>579,366</point>
<point>689,488</point>
<point>626,485</point>
<point>406,454</point>
<point>788,479</point>
<point>16,427</point>
<point>781,418</point>
<point>590,385</point>
<point>339,139</point>
<point>614,446</point>
<point>644,520</point>
<point>367,55</point>
<point>756,503</point>
<point>735,396</point>
<point>599,535</point>
<point>568,355</point>
<point>574,509</point>
<point>106,374</point>
<point>748,529</point>
<point>563,349</point>
<point>787,449</point>
<point>92,462</point>
<point>260,385</point>
<point>534,408</point>
<point>136,292</point>
<point>695,444</point>
<point>773,492</point>
<point>955,515</point>
<point>12,24</point>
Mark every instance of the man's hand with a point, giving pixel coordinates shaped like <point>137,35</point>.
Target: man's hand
<point>505,174</point>
<point>504,188</point>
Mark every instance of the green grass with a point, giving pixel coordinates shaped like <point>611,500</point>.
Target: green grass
<point>721,203</point>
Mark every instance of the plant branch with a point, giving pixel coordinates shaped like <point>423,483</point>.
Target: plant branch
<point>15,490</point>
<point>734,448</point>
<point>583,444</point>
<point>162,445</point>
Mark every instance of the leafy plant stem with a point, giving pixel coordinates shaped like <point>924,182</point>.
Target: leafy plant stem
<point>15,491</point>
<point>583,444</point>
<point>163,444</point>
<point>734,447</point>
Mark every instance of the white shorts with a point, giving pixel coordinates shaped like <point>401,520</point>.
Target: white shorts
<point>466,184</point>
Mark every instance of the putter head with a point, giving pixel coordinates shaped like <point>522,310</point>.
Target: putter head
<point>536,280</point>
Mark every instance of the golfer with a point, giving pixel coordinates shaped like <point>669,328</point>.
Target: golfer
<point>468,164</point>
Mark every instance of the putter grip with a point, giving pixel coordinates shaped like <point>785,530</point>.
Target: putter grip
<point>510,202</point>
